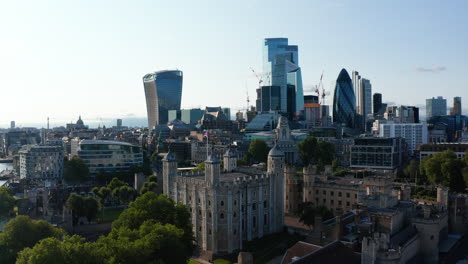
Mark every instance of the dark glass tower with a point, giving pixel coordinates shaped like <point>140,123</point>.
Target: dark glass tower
<point>344,101</point>
<point>377,102</point>
<point>163,92</point>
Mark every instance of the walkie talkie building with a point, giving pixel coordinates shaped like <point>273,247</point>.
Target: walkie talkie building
<point>163,92</point>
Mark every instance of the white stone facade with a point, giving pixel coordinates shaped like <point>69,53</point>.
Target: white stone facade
<point>229,206</point>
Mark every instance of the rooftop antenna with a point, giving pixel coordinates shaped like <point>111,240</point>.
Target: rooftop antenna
<point>248,99</point>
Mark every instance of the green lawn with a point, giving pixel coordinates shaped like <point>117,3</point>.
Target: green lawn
<point>222,261</point>
<point>109,214</point>
<point>192,262</point>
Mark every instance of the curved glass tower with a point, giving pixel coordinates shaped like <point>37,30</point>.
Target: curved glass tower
<point>344,101</point>
<point>163,92</point>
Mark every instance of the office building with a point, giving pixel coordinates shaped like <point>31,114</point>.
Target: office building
<point>436,107</point>
<point>414,134</point>
<point>231,205</point>
<point>344,101</point>
<point>40,162</point>
<point>377,103</point>
<point>281,68</point>
<point>12,124</point>
<point>163,92</point>
<point>173,115</point>
<point>460,149</point>
<point>119,123</point>
<point>268,98</point>
<point>457,107</point>
<point>109,155</point>
<point>191,116</point>
<point>239,116</point>
<point>377,153</point>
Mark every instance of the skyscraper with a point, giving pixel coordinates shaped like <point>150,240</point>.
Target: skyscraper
<point>363,93</point>
<point>457,109</point>
<point>281,68</point>
<point>377,103</point>
<point>344,101</point>
<point>163,91</point>
<point>436,107</point>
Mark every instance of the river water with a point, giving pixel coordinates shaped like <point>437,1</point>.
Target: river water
<point>6,166</point>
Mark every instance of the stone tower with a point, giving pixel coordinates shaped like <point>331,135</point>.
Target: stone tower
<point>292,191</point>
<point>212,170</point>
<point>230,160</point>
<point>283,132</point>
<point>169,173</point>
<point>442,198</point>
<point>277,182</point>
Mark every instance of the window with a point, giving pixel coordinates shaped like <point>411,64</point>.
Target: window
<point>265,219</point>
<point>222,203</point>
<point>209,214</point>
<point>242,208</point>
<point>221,216</point>
<point>235,231</point>
<point>264,204</point>
<point>199,229</point>
<point>254,222</point>
<point>316,191</point>
<point>332,193</point>
<point>235,215</point>
<point>235,202</point>
<point>347,195</point>
<point>355,196</point>
<point>339,194</point>
<point>199,212</point>
<point>347,203</point>
<point>332,202</point>
<point>324,201</point>
<point>286,197</point>
<point>324,192</point>
<point>209,202</point>
<point>209,232</point>
<point>339,202</point>
<point>254,206</point>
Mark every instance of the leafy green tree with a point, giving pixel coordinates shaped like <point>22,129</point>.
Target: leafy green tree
<point>82,207</point>
<point>22,232</point>
<point>75,170</point>
<point>307,213</point>
<point>7,202</point>
<point>258,150</point>
<point>411,170</point>
<point>308,150</point>
<point>124,193</point>
<point>326,152</point>
<point>446,169</point>
<point>104,194</point>
<point>115,183</point>
<point>200,167</point>
<point>149,187</point>
<point>72,250</point>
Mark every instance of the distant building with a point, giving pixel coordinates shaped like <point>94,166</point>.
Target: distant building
<point>119,123</point>
<point>109,156</point>
<point>377,103</point>
<point>12,124</point>
<point>191,116</point>
<point>163,92</point>
<point>173,115</point>
<point>79,125</point>
<point>457,107</point>
<point>41,162</point>
<point>281,66</point>
<point>215,118</point>
<point>268,98</point>
<point>344,101</point>
<point>377,153</point>
<point>436,107</point>
<point>239,116</point>
<point>414,134</point>
<point>363,93</point>
<point>459,149</point>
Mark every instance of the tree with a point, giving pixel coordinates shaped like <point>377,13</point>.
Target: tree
<point>308,212</point>
<point>75,170</point>
<point>446,169</point>
<point>149,187</point>
<point>115,183</point>
<point>82,207</point>
<point>72,250</point>
<point>411,170</point>
<point>104,193</point>
<point>22,232</point>
<point>124,193</point>
<point>7,202</point>
<point>308,150</point>
<point>326,152</point>
<point>200,167</point>
<point>258,150</point>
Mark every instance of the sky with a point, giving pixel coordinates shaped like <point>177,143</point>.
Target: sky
<point>61,59</point>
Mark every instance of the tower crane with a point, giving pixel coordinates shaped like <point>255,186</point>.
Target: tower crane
<point>259,77</point>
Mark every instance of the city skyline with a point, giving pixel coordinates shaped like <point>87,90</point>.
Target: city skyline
<point>410,48</point>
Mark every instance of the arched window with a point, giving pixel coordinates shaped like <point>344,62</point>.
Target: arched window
<point>222,203</point>
<point>221,216</point>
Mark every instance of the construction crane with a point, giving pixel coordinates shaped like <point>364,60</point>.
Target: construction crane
<point>248,99</point>
<point>259,77</point>
<point>320,90</point>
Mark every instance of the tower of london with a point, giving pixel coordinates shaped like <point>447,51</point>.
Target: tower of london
<point>231,204</point>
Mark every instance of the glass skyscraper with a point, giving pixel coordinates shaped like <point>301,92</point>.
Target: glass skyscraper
<point>163,92</point>
<point>436,107</point>
<point>344,101</point>
<point>280,67</point>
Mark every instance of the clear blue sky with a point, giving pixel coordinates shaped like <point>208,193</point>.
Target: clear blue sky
<point>65,58</point>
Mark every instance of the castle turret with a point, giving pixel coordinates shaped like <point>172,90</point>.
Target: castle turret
<point>277,182</point>
<point>230,160</point>
<point>442,198</point>
<point>283,132</point>
<point>169,173</point>
<point>212,170</point>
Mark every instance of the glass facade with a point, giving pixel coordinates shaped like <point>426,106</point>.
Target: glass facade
<point>109,155</point>
<point>377,153</point>
<point>344,101</point>
<point>269,98</point>
<point>436,107</point>
<point>163,91</point>
<point>280,67</point>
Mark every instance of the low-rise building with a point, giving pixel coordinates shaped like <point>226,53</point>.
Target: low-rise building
<point>377,153</point>
<point>459,149</point>
<point>41,162</point>
<point>109,155</point>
